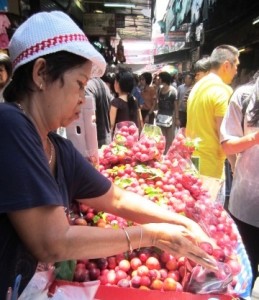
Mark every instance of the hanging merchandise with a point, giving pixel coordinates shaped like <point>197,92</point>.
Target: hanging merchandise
<point>4,25</point>
<point>120,56</point>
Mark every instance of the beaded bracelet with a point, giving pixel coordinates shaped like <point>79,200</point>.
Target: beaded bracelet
<point>128,240</point>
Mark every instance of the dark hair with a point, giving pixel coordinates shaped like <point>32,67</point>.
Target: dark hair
<point>165,77</point>
<point>125,80</point>
<point>108,78</point>
<point>56,65</point>
<point>202,65</point>
<point>223,53</point>
<point>6,62</point>
<point>147,76</point>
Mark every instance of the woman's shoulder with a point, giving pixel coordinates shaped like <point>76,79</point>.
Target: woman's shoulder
<point>11,116</point>
<point>118,102</point>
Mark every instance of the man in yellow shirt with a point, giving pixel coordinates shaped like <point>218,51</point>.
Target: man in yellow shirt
<point>206,107</point>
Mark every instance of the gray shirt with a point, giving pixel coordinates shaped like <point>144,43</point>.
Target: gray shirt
<point>244,195</point>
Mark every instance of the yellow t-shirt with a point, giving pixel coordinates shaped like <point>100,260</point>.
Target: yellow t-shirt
<point>208,99</point>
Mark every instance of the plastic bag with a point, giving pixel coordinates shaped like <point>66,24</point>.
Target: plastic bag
<point>204,281</point>
<point>183,145</point>
<point>42,285</point>
<point>119,151</point>
<point>126,134</point>
<point>151,144</point>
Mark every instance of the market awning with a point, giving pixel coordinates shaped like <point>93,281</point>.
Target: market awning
<point>173,57</point>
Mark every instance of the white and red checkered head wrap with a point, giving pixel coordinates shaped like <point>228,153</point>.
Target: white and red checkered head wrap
<point>49,32</point>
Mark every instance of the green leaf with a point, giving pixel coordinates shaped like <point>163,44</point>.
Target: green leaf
<point>152,172</point>
<point>65,270</point>
<point>123,182</point>
<point>119,148</point>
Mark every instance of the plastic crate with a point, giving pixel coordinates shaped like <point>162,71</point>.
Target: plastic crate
<point>116,293</point>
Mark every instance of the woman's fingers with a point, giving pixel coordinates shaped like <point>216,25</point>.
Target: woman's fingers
<point>179,241</point>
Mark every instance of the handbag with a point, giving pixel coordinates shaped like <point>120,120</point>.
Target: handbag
<point>164,120</point>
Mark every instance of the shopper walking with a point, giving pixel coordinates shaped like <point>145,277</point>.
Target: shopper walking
<point>206,107</point>
<point>97,89</point>
<point>124,107</point>
<point>167,114</point>
<point>182,89</point>
<point>148,93</point>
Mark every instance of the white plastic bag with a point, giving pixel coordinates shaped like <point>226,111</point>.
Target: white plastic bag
<point>38,288</point>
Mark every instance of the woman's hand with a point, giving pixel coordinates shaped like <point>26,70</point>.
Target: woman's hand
<point>179,241</point>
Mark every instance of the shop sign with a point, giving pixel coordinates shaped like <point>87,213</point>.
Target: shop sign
<point>99,24</point>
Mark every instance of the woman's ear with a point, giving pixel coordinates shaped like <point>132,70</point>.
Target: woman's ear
<point>39,73</point>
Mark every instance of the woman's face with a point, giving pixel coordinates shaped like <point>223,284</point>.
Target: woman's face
<point>66,100</point>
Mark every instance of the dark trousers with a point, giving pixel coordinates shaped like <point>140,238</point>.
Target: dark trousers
<point>151,118</point>
<point>250,236</point>
<point>229,178</point>
<point>183,118</point>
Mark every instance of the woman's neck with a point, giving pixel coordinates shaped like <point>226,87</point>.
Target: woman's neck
<point>165,88</point>
<point>123,96</point>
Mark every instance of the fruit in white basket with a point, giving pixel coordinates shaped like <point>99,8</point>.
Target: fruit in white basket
<point>172,263</point>
<point>142,270</point>
<point>94,273</point>
<point>153,263</point>
<point>136,281</point>
<point>175,275</point>
<point>124,265</point>
<point>163,274</point>
<point>145,281</point>
<point>111,277</point>
<point>112,263</point>
<point>135,263</point>
<point>157,284</point>
<point>169,284</point>
<point>124,283</point>
<point>81,274</point>
<point>120,275</point>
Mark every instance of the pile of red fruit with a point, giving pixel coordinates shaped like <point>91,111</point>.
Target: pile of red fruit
<point>127,146</point>
<point>170,184</point>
